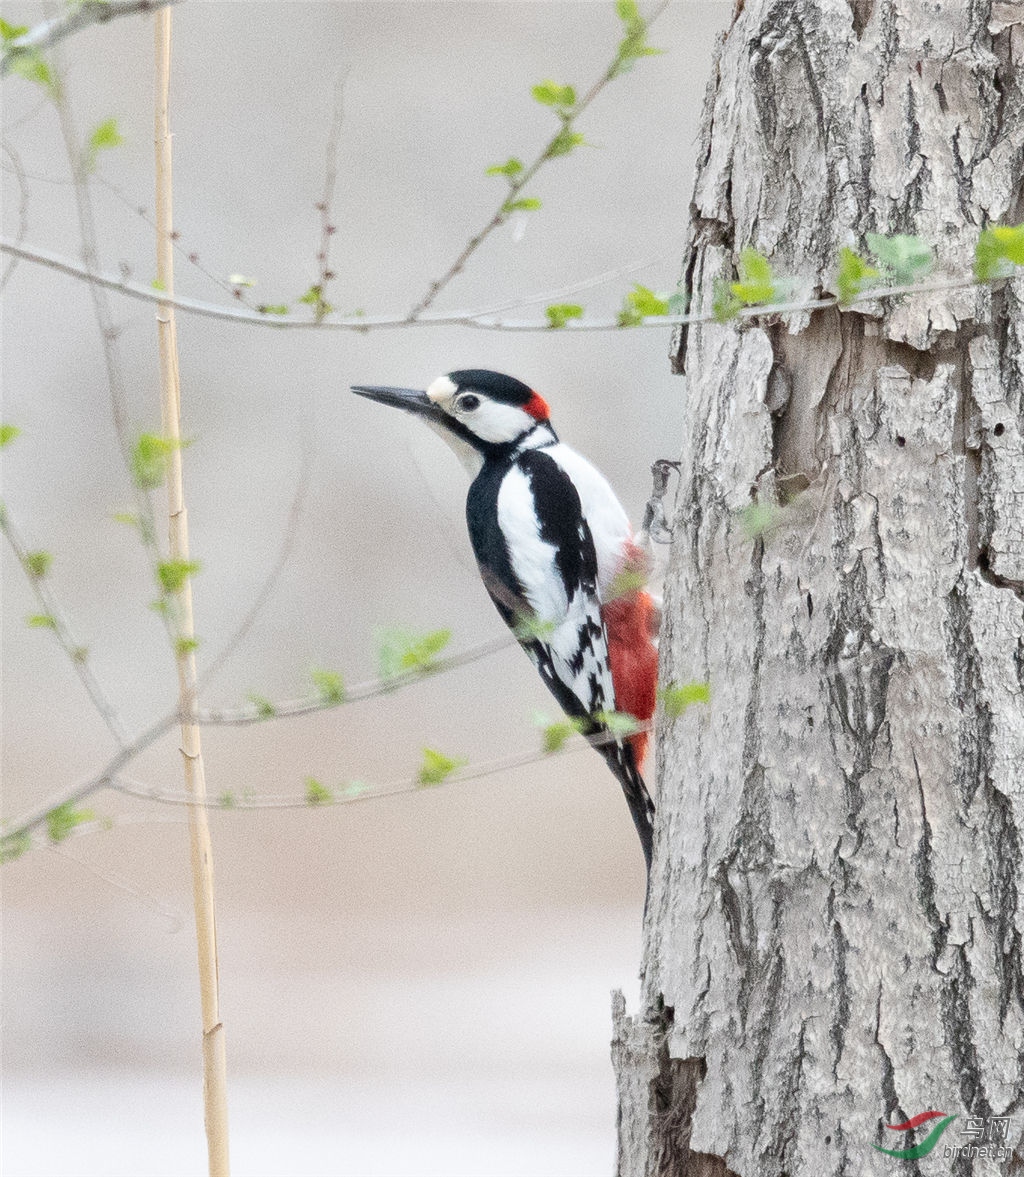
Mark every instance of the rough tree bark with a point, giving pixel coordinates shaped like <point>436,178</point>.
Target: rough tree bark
<point>834,939</point>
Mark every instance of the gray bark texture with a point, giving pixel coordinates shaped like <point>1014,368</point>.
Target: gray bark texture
<point>834,936</point>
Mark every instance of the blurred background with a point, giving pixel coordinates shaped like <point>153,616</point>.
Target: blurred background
<point>412,985</point>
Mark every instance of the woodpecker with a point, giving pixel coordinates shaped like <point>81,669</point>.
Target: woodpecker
<point>556,554</point>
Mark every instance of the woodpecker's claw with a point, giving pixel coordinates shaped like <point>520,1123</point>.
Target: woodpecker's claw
<point>412,400</point>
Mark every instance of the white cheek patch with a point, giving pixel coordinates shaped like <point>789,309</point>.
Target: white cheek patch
<point>496,422</point>
<point>442,389</point>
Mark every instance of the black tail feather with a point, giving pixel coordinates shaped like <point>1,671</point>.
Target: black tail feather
<point>622,762</point>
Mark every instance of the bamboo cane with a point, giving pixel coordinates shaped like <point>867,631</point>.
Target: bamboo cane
<point>214,1052</point>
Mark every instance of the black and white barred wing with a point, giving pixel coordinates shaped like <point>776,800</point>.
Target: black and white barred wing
<point>554,565</point>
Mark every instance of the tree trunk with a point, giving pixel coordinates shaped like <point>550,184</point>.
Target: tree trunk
<point>833,942</point>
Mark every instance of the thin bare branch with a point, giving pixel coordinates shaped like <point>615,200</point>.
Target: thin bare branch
<point>288,538</point>
<point>461,318</point>
<point>321,307</point>
<point>352,791</point>
<point>262,712</point>
<point>19,172</point>
<point>50,607</point>
<point>75,18</point>
<point>520,181</point>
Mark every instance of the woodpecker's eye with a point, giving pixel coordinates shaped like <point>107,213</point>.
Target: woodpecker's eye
<point>468,403</point>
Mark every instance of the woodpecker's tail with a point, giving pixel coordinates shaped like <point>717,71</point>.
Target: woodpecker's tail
<point>622,761</point>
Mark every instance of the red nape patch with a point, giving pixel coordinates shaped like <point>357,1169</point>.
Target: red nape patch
<point>629,622</point>
<point>537,407</point>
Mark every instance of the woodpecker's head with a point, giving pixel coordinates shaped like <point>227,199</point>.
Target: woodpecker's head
<point>484,410</point>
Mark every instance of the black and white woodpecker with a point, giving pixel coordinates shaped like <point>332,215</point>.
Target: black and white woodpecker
<point>556,554</point>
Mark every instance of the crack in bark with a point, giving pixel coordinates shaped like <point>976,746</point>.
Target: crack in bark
<point>841,987</point>
<point>1005,864</point>
<point>974,743</point>
<point>861,11</point>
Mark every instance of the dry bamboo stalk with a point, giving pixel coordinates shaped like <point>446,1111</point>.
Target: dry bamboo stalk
<point>214,1052</point>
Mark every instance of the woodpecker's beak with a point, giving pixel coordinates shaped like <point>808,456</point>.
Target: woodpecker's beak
<point>412,400</point>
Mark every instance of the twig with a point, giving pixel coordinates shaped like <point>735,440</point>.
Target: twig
<point>89,12</point>
<point>19,172</point>
<point>518,184</point>
<point>270,581</point>
<point>241,717</point>
<point>459,318</point>
<point>77,653</point>
<point>309,704</point>
<point>214,1050</point>
<point>351,792</point>
<point>321,307</point>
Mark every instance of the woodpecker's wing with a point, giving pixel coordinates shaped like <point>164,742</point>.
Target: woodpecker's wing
<point>552,569</point>
<point>536,554</point>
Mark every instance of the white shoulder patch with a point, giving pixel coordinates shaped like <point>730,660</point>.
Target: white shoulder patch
<point>609,524</point>
<point>532,558</point>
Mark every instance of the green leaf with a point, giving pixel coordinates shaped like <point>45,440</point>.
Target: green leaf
<point>158,284</point>
<point>37,564</point>
<point>9,32</point>
<point>759,519</point>
<point>560,313</point>
<point>629,580</point>
<point>274,308</point>
<point>227,800</point>
<point>314,297</point>
<point>104,137</point>
<point>511,167</point>
<point>854,275</point>
<point>678,303</point>
<point>7,434</point>
<point>316,793</point>
<point>549,93</point>
<point>437,767</point>
<point>640,302</point>
<point>400,651</point>
<point>185,646</point>
<point>264,708</point>
<point>675,698</point>
<point>755,285</point>
<point>556,734</point>
<point>905,259</point>
<point>29,65</point>
<point>13,846</point>
<point>330,686</point>
<point>531,628</point>
<point>525,203</point>
<point>41,621</point>
<point>353,789</point>
<point>1011,242</point>
<point>999,249</point>
<point>172,574</point>
<point>634,45</point>
<point>726,305</point>
<point>125,517</point>
<point>619,723</point>
<point>565,141</point>
<point>150,459</point>
<point>64,818</point>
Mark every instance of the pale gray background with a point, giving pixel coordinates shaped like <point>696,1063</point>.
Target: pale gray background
<point>416,985</point>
